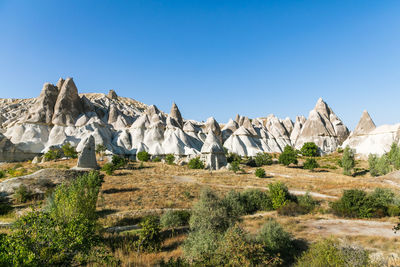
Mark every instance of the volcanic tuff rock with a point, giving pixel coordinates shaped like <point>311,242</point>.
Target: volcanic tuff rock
<point>212,152</point>
<point>323,128</point>
<point>87,158</point>
<point>43,109</point>
<point>176,114</point>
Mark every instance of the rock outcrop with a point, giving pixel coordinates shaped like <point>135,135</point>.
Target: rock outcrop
<point>87,158</point>
<point>43,110</point>
<point>176,115</point>
<point>213,153</point>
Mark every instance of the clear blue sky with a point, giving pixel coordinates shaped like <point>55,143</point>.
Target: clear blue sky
<point>213,58</point>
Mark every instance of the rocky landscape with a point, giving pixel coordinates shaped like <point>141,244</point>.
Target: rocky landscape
<point>125,126</point>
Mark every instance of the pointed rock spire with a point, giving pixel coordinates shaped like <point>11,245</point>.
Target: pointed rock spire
<point>176,114</point>
<point>60,83</point>
<point>112,95</point>
<point>68,105</point>
<point>87,158</point>
<point>43,109</point>
<point>365,125</point>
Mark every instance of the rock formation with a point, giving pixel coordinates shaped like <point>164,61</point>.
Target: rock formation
<point>43,110</point>
<point>213,153</point>
<point>87,158</point>
<point>176,114</point>
<point>112,95</point>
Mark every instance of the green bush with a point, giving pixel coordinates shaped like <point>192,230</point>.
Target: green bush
<point>379,165</point>
<point>22,194</point>
<point>394,156</point>
<point>150,238</point>
<point>329,252</point>
<point>310,164</point>
<point>247,202</point>
<point>69,151</point>
<point>143,156</point>
<point>393,210</point>
<point>169,159</point>
<point>373,163</point>
<point>231,157</point>
<point>2,174</point>
<point>196,163</point>
<point>100,150</point>
<point>235,166</point>
<point>260,173</point>
<point>156,159</point>
<point>288,156</point>
<point>310,149</point>
<point>108,168</point>
<point>251,162</point>
<point>263,159</point>
<point>52,154</point>
<point>291,209</point>
<point>275,238</point>
<point>118,162</point>
<point>279,194</point>
<point>347,162</point>
<point>5,206</point>
<point>350,204</point>
<point>175,218</point>
<point>307,202</point>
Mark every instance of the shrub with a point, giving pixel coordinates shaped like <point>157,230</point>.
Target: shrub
<point>169,159</point>
<point>310,164</point>
<point>196,163</point>
<point>5,206</point>
<point>108,168</point>
<point>373,162</point>
<point>22,194</point>
<point>288,156</point>
<point>279,194</point>
<point>118,161</point>
<point>275,238</point>
<point>255,200</point>
<point>307,202</point>
<point>2,174</point>
<point>350,204</point>
<point>175,218</point>
<point>231,157</point>
<point>149,236</point>
<point>100,150</point>
<point>69,151</point>
<point>260,173</point>
<point>383,165</point>
<point>347,162</point>
<point>235,166</point>
<point>394,156</point>
<point>328,252</point>
<point>157,159</point>
<point>393,210</point>
<point>263,159</point>
<point>310,149</point>
<point>143,156</point>
<point>251,162</point>
<point>291,209</point>
<point>52,154</point>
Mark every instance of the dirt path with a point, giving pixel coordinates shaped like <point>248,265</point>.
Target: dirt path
<point>187,179</point>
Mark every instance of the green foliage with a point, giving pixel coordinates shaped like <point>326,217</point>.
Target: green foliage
<point>310,149</point>
<point>22,194</point>
<point>52,154</point>
<point>5,206</point>
<point>69,151</point>
<point>310,164</point>
<point>251,162</point>
<point>275,238</point>
<point>63,234</point>
<point>156,159</point>
<point>235,166</point>
<point>231,157</point>
<point>356,203</point>
<point>196,163</point>
<point>118,161</point>
<point>150,238</point>
<point>2,174</point>
<point>288,156</point>
<point>169,159</point>
<point>175,218</point>
<point>247,202</point>
<point>394,156</point>
<point>393,210</point>
<point>100,149</point>
<point>143,156</point>
<point>260,173</point>
<point>108,168</point>
<point>279,194</point>
<point>307,202</point>
<point>347,162</point>
<point>386,163</point>
<point>174,262</point>
<point>373,163</point>
<point>263,159</point>
<point>328,252</point>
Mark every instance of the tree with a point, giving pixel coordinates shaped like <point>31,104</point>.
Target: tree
<point>310,164</point>
<point>52,154</point>
<point>196,163</point>
<point>143,156</point>
<point>100,150</point>
<point>235,166</point>
<point>260,173</point>
<point>347,161</point>
<point>169,159</point>
<point>263,159</point>
<point>69,151</point>
<point>288,156</point>
<point>310,149</point>
<point>279,194</point>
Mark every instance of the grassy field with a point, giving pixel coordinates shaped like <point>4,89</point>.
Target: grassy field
<point>136,191</point>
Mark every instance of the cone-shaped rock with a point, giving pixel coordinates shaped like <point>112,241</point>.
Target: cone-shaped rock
<point>213,152</point>
<point>365,125</point>
<point>176,114</point>
<point>68,105</point>
<point>60,83</point>
<point>43,110</point>
<point>112,94</point>
<point>212,125</point>
<point>87,158</point>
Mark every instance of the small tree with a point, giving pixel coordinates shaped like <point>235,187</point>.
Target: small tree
<point>263,159</point>
<point>347,161</point>
<point>310,149</point>
<point>69,151</point>
<point>52,154</point>
<point>118,161</point>
<point>288,156</point>
<point>108,168</point>
<point>260,173</point>
<point>100,150</point>
<point>373,162</point>
<point>196,163</point>
<point>150,236</point>
<point>279,194</point>
<point>143,156</point>
<point>169,159</point>
<point>310,164</point>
